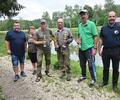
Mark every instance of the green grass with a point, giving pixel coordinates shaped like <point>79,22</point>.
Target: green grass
<point>76,72</point>
<point>2,44</point>
<point>1,95</point>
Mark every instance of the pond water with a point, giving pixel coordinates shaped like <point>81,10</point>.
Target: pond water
<point>74,54</point>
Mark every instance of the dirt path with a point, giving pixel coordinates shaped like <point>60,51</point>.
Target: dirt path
<point>48,89</point>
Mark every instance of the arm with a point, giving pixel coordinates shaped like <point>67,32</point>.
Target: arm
<point>7,45</point>
<point>100,47</point>
<point>39,42</point>
<point>70,37</point>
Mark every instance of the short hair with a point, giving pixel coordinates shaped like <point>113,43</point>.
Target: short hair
<point>16,21</point>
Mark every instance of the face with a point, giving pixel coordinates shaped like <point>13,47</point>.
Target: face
<point>43,26</point>
<point>32,30</point>
<point>111,17</point>
<point>16,26</point>
<point>84,17</point>
<point>60,23</point>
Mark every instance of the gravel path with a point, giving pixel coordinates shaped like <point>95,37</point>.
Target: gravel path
<point>49,88</point>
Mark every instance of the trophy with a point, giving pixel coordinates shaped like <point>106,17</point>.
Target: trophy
<point>64,38</point>
<point>44,38</point>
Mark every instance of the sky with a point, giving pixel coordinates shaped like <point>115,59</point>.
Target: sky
<point>35,8</point>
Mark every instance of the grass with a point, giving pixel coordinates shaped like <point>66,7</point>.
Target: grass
<point>76,72</point>
<point>1,95</point>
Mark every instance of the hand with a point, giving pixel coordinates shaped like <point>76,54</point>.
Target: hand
<point>65,41</point>
<point>56,45</point>
<point>44,42</point>
<point>94,51</point>
<point>8,52</point>
<point>78,41</point>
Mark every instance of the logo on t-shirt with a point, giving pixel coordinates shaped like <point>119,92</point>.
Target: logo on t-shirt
<point>116,32</point>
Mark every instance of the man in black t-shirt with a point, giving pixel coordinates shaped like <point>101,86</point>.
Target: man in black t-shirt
<point>15,41</point>
<point>110,39</point>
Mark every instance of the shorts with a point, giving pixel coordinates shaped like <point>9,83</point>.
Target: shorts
<point>33,57</point>
<point>17,59</point>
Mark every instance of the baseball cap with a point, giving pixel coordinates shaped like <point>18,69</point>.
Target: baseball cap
<point>42,21</point>
<point>83,11</point>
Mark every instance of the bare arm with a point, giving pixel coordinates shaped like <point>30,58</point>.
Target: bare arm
<point>39,42</point>
<point>95,45</point>
<point>7,45</point>
<point>95,42</point>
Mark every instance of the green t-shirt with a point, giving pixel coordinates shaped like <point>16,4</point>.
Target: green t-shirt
<point>87,32</point>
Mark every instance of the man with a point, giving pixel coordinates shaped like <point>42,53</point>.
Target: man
<point>43,48</point>
<point>15,41</point>
<point>87,39</point>
<point>110,40</point>
<point>64,38</point>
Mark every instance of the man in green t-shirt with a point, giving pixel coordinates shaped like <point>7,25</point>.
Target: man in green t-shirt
<point>87,39</point>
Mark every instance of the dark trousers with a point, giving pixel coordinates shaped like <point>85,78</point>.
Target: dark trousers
<point>85,56</point>
<point>113,55</point>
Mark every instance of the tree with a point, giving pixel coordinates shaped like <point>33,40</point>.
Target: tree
<point>9,8</point>
<point>109,5</point>
<point>46,16</point>
<point>90,10</point>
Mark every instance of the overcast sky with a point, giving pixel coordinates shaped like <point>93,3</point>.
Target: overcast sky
<point>35,8</point>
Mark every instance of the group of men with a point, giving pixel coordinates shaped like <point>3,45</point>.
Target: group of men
<point>108,46</point>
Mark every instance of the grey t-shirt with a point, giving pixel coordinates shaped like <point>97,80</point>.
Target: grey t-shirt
<point>31,46</point>
<point>64,33</point>
<point>46,35</point>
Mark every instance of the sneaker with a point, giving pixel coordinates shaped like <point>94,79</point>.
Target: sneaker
<point>103,84</point>
<point>47,73</point>
<point>81,79</point>
<point>16,78</point>
<point>93,83</point>
<point>38,78</point>
<point>23,74</point>
<point>34,72</point>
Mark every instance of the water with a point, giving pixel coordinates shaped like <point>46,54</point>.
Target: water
<point>74,55</point>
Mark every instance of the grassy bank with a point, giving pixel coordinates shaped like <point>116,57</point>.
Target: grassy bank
<point>76,72</point>
<point>1,95</point>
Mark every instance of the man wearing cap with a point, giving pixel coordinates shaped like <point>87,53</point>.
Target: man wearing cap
<point>64,38</point>
<point>43,48</point>
<point>87,40</point>
<point>110,40</point>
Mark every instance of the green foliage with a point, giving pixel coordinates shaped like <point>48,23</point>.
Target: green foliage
<point>2,45</point>
<point>9,8</point>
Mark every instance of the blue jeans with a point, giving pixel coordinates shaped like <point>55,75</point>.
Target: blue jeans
<point>17,59</point>
<point>85,56</point>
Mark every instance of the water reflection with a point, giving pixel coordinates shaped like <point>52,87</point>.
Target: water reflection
<point>74,54</point>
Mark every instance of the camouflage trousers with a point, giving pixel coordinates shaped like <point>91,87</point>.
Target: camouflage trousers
<point>63,59</point>
<point>47,55</point>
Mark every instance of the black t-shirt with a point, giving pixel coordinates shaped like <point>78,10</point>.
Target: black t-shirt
<point>110,35</point>
<point>17,42</point>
